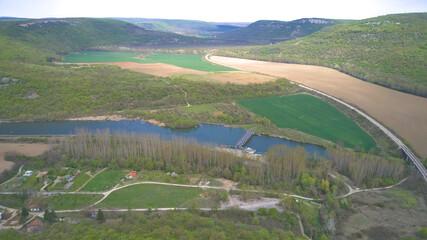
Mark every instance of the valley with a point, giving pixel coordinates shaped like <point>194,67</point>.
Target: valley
<point>139,128</point>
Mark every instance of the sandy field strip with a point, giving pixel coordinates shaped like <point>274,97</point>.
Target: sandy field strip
<point>239,77</point>
<point>403,113</point>
<point>167,70</point>
<point>27,149</point>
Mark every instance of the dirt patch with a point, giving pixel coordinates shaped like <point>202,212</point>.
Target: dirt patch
<point>155,122</point>
<point>99,118</point>
<point>27,149</point>
<point>404,113</point>
<point>227,183</point>
<point>240,77</point>
<point>217,113</point>
<point>193,180</point>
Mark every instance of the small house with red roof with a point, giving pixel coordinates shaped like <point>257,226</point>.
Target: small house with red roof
<point>131,175</point>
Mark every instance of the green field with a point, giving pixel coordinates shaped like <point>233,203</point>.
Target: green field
<point>313,116</point>
<point>72,201</point>
<point>95,57</point>
<point>79,181</point>
<point>104,181</point>
<point>151,196</point>
<point>12,201</point>
<point>195,62</point>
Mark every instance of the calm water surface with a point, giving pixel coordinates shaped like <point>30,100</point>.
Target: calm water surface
<point>206,133</point>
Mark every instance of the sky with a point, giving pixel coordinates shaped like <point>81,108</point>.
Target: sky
<point>212,11</point>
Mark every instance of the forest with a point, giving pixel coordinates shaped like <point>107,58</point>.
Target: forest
<point>193,224</point>
<point>282,169</point>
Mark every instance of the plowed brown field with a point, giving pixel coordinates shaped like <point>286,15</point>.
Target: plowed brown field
<point>403,113</point>
<point>167,70</point>
<point>27,149</point>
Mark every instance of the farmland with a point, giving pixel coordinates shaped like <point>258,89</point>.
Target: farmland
<point>151,196</point>
<point>95,57</point>
<point>311,115</point>
<point>104,181</point>
<point>194,62</point>
<point>404,113</point>
<point>72,201</point>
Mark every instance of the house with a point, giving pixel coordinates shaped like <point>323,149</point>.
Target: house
<point>131,175</point>
<point>28,173</point>
<point>35,226</point>
<point>35,207</point>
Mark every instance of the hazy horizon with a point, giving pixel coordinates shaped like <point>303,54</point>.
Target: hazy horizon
<point>220,11</point>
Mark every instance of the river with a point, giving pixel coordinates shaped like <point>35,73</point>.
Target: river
<point>204,134</point>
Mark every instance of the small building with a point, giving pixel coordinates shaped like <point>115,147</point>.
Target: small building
<point>93,214</point>
<point>35,207</point>
<point>131,175</point>
<point>28,173</point>
<point>35,226</point>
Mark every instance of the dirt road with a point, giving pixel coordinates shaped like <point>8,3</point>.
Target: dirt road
<point>403,113</point>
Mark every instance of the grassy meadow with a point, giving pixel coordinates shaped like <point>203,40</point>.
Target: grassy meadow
<point>100,57</point>
<point>72,201</point>
<point>194,62</point>
<point>104,181</point>
<point>151,196</point>
<point>311,115</point>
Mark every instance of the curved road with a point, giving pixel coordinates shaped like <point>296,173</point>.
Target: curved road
<point>393,137</point>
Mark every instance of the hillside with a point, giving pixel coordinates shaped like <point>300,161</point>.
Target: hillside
<point>43,39</point>
<point>389,50</point>
<point>185,27</point>
<point>268,31</point>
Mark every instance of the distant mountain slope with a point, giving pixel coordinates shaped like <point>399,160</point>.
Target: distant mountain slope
<point>186,27</point>
<point>23,40</point>
<point>389,50</point>
<point>268,31</point>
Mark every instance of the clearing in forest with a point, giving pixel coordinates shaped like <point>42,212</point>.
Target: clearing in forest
<point>104,181</point>
<point>313,116</point>
<point>152,196</point>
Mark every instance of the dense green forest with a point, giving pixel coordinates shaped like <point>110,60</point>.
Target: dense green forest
<point>389,50</point>
<point>228,224</point>
<point>268,31</point>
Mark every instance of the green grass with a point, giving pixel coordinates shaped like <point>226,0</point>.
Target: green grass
<point>311,115</point>
<point>95,57</point>
<point>79,181</point>
<point>72,201</point>
<point>195,62</point>
<point>199,109</point>
<point>104,181</point>
<point>405,198</point>
<point>151,196</point>
<point>12,201</point>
